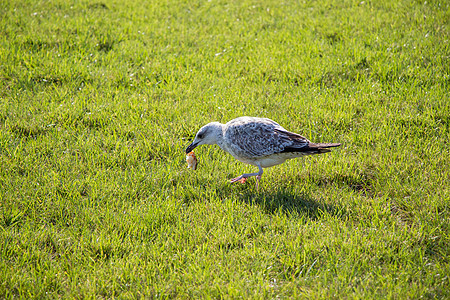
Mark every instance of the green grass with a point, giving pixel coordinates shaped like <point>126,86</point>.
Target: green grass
<point>98,100</point>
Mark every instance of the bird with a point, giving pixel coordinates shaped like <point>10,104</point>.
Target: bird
<point>260,142</point>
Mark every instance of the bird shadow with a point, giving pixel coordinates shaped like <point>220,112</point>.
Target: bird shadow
<point>290,202</point>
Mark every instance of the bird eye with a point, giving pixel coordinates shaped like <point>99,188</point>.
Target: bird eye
<point>200,136</point>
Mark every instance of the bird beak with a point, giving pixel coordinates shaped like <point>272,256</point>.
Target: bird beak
<point>191,147</point>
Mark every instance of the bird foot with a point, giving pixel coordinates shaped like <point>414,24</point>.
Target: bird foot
<point>241,179</point>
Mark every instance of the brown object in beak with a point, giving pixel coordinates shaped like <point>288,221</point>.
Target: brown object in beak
<point>191,160</point>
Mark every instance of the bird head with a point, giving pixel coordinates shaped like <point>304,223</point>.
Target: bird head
<point>207,135</point>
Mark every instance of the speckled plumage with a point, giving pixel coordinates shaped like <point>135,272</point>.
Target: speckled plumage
<point>254,139</point>
<point>257,141</point>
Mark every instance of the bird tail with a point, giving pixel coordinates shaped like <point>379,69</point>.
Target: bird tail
<point>311,148</point>
<point>323,147</point>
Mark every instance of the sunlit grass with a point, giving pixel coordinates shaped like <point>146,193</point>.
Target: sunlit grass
<point>98,101</point>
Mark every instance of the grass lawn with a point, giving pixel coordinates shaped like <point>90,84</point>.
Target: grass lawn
<point>98,100</point>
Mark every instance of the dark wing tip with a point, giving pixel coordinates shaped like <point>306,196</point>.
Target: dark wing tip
<point>312,148</point>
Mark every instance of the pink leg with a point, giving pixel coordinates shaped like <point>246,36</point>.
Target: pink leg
<point>243,177</point>
<point>258,178</point>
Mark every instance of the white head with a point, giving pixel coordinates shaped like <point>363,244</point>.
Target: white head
<point>209,134</point>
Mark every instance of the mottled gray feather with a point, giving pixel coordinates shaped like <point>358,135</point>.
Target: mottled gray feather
<point>258,137</point>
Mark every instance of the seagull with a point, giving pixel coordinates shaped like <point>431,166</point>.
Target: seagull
<point>260,142</point>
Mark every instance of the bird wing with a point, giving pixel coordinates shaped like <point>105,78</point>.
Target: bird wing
<point>293,142</point>
<point>252,138</point>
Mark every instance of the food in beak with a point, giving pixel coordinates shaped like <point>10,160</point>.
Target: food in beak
<point>191,160</point>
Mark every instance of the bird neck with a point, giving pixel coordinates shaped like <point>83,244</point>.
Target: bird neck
<point>218,133</point>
